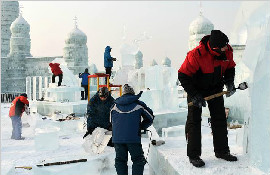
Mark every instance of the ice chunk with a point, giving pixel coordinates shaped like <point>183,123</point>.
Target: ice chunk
<point>174,131</point>
<point>128,54</point>
<point>239,136</point>
<point>154,78</point>
<point>47,139</point>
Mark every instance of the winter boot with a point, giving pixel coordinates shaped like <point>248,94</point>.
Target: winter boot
<point>196,161</point>
<point>227,157</point>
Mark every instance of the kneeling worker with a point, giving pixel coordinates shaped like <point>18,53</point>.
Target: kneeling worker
<point>98,111</point>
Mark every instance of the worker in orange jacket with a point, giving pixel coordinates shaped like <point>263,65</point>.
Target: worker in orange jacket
<point>18,106</point>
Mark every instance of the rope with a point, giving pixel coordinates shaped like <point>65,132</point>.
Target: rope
<point>149,146</point>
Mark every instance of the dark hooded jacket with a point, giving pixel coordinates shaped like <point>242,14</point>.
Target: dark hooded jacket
<point>84,77</point>
<point>108,59</point>
<point>126,116</point>
<point>98,112</point>
<point>203,72</point>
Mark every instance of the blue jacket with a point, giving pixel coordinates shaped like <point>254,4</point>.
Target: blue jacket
<point>126,116</point>
<point>108,62</point>
<point>98,112</point>
<point>84,77</point>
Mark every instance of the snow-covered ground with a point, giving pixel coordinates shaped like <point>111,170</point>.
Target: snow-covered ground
<point>174,151</point>
<point>23,153</point>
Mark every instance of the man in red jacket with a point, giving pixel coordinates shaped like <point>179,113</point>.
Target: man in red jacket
<point>15,113</point>
<point>56,70</point>
<point>204,72</point>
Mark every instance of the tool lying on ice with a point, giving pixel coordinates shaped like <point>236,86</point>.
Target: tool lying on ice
<point>241,86</point>
<point>24,167</point>
<point>62,163</point>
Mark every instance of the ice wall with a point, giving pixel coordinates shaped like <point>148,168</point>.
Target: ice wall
<point>256,58</point>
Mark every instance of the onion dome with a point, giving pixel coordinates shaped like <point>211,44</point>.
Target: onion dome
<point>167,62</point>
<point>154,63</point>
<point>76,36</point>
<point>20,25</point>
<point>200,25</point>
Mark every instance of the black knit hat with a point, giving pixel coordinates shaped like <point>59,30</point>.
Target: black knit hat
<point>24,95</point>
<point>128,90</point>
<point>218,39</point>
<point>103,92</point>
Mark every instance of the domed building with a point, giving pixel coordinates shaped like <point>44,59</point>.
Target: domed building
<point>198,28</point>
<point>17,63</point>
<point>9,12</point>
<point>76,51</point>
<point>20,41</point>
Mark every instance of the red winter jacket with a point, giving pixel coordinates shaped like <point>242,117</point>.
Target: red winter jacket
<point>17,106</point>
<point>55,67</point>
<point>202,73</point>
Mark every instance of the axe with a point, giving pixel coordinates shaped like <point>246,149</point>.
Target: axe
<point>241,86</point>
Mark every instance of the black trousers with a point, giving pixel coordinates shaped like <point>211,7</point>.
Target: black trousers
<point>84,94</point>
<point>108,71</point>
<point>121,158</point>
<point>218,125</point>
<point>60,79</point>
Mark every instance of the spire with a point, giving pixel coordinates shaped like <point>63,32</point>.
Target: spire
<point>201,10</point>
<point>75,22</point>
<point>21,7</point>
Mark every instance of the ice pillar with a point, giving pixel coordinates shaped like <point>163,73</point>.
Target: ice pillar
<point>40,87</point>
<point>28,87</point>
<point>34,88</point>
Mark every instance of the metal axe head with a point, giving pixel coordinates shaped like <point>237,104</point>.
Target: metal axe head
<point>243,86</point>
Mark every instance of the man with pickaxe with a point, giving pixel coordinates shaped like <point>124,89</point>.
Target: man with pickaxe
<point>204,72</point>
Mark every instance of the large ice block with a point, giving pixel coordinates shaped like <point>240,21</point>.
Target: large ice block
<point>48,108</point>
<point>46,139</point>
<point>63,93</point>
<point>168,119</point>
<point>174,131</point>
<point>239,136</point>
<point>169,76</point>
<point>153,98</point>
<point>121,76</point>
<point>154,78</point>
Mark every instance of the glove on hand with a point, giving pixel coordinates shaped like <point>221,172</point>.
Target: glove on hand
<point>89,131</point>
<point>230,88</point>
<point>198,101</point>
<point>114,59</point>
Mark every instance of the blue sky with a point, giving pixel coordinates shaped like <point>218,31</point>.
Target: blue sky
<point>167,22</point>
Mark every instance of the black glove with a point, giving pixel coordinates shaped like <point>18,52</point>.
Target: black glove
<point>86,134</point>
<point>230,88</point>
<point>89,131</point>
<point>198,101</point>
<point>114,59</point>
<point>110,127</point>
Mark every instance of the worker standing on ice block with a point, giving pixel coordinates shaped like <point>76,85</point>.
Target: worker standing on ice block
<point>204,72</point>
<point>56,70</point>
<point>126,122</point>
<point>108,61</point>
<point>18,106</point>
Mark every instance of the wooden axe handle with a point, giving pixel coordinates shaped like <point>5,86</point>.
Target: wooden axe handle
<point>211,97</point>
